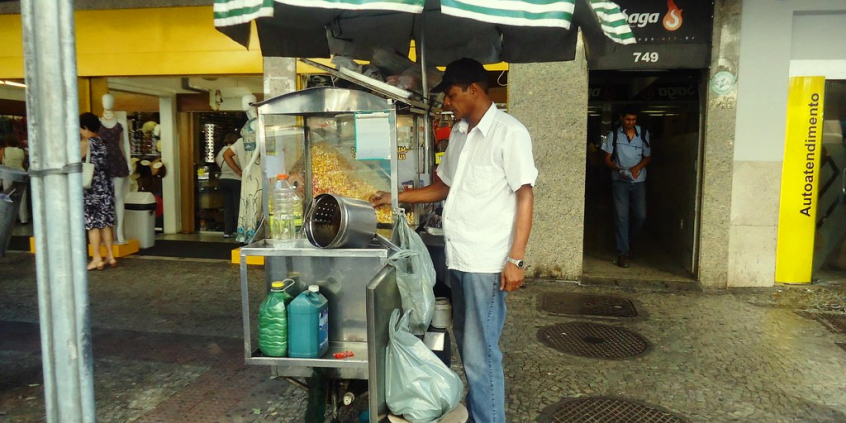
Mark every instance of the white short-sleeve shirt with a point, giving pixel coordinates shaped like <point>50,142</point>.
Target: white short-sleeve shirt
<point>484,168</point>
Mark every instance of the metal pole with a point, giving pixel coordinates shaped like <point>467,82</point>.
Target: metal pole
<point>53,124</point>
<point>427,122</point>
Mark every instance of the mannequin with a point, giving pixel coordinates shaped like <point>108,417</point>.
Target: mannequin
<point>250,211</point>
<point>113,134</point>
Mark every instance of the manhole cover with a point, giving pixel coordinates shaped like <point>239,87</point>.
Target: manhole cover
<point>587,305</point>
<point>606,410</point>
<point>833,322</point>
<point>593,340</point>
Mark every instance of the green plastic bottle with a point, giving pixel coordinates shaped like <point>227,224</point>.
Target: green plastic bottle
<point>273,321</point>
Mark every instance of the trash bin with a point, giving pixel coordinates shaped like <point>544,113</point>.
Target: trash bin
<point>10,202</point>
<point>139,221</point>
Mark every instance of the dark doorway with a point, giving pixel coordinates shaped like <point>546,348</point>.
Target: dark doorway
<point>669,107</point>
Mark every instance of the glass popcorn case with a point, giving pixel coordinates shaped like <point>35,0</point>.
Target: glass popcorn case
<point>346,142</point>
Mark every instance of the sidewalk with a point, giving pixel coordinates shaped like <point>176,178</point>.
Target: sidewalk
<point>168,348</point>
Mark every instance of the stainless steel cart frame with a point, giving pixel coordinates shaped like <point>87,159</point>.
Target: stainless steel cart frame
<point>359,284</point>
<point>362,291</point>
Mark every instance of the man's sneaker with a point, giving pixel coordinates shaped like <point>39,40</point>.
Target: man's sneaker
<point>622,261</point>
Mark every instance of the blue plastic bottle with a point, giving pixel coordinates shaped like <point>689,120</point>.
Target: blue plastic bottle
<point>273,322</point>
<point>308,324</point>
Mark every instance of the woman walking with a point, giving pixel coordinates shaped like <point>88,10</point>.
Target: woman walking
<point>99,199</point>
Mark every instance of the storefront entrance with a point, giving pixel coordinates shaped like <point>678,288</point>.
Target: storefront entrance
<point>669,106</point>
<point>830,245</point>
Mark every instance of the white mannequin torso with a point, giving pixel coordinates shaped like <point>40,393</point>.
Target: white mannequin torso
<point>109,120</point>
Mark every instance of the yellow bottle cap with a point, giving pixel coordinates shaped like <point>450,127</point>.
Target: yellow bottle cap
<point>277,285</point>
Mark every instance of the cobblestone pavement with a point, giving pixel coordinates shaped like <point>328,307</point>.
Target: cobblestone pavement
<point>167,341</point>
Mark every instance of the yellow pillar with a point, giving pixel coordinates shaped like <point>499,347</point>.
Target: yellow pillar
<point>91,92</point>
<point>797,218</point>
<point>84,88</point>
<point>99,87</point>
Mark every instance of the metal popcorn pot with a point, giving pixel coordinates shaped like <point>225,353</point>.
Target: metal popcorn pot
<point>333,221</point>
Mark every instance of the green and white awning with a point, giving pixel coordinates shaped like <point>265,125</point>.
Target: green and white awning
<point>546,13</point>
<point>614,23</point>
<point>234,12</point>
<point>516,31</point>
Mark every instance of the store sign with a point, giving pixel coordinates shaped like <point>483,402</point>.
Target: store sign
<point>669,92</point>
<point>670,34</point>
<point>797,217</point>
<point>228,98</point>
<point>656,91</point>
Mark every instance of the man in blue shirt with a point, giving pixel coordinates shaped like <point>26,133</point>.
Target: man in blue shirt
<point>627,152</point>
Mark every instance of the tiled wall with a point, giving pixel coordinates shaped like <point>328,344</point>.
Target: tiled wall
<point>754,223</point>
<point>551,99</point>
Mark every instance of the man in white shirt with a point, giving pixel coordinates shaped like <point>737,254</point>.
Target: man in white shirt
<point>230,181</point>
<point>486,177</point>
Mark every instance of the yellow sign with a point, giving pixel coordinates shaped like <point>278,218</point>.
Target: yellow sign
<point>799,180</point>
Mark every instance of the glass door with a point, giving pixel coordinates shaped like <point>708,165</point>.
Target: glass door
<point>830,245</point>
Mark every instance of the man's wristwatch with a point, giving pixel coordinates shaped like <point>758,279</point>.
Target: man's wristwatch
<point>519,263</point>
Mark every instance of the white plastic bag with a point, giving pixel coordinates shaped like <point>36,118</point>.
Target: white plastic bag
<point>87,169</point>
<point>415,275</point>
<point>418,386</point>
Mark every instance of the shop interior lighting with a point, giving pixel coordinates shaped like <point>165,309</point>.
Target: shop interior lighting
<point>210,142</point>
<point>13,84</point>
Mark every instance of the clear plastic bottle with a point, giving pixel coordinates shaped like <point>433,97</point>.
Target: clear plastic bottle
<point>283,200</point>
<point>298,214</point>
<point>273,321</point>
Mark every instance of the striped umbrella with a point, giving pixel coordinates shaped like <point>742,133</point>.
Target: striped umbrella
<point>516,31</point>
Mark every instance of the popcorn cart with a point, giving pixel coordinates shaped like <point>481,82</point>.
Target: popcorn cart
<point>347,143</point>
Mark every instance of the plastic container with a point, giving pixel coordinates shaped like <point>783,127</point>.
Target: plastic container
<point>283,201</point>
<point>140,218</point>
<point>442,318</point>
<point>308,324</point>
<point>273,321</point>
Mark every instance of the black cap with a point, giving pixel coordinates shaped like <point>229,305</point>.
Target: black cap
<point>461,71</point>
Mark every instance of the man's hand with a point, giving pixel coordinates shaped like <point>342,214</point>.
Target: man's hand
<point>380,198</point>
<point>511,278</point>
<point>635,171</point>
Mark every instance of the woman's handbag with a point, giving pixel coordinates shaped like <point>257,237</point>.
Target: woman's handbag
<point>87,169</point>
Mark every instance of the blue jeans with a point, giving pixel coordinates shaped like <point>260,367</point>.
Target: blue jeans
<point>231,189</point>
<point>478,308</point>
<point>629,211</point>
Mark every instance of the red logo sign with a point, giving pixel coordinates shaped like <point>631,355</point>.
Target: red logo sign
<point>673,18</point>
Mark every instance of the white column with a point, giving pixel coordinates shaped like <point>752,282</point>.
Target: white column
<point>170,157</point>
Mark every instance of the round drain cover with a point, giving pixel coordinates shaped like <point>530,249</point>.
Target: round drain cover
<point>606,410</point>
<point>594,340</point>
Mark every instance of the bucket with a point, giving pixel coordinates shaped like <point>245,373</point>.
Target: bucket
<point>332,221</point>
<point>443,313</point>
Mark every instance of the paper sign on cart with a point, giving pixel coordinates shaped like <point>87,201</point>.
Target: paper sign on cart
<point>372,136</point>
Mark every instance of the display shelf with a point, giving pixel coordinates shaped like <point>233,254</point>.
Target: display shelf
<point>357,361</point>
<point>302,248</point>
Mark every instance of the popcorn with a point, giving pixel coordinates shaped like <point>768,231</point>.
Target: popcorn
<point>334,174</point>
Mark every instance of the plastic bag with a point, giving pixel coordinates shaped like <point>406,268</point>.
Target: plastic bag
<point>415,275</point>
<point>418,386</point>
